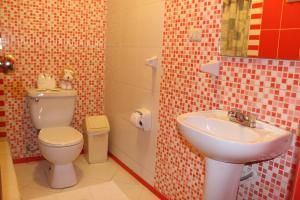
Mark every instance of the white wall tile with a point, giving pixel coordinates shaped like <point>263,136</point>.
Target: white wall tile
<point>134,33</point>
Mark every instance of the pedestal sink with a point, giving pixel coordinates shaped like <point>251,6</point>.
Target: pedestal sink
<point>227,146</point>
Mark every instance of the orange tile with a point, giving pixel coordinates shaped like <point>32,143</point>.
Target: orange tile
<point>289,44</point>
<point>291,15</point>
<point>268,43</point>
<point>257,5</point>
<point>271,14</point>
<point>256,16</point>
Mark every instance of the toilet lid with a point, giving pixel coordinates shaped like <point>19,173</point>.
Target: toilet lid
<point>60,136</point>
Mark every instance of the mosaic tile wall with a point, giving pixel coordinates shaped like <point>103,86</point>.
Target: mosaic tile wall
<point>48,36</point>
<point>268,88</point>
<point>271,90</point>
<point>2,108</point>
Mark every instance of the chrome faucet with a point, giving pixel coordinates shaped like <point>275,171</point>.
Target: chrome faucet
<point>237,116</point>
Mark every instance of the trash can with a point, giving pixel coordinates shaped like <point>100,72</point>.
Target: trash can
<point>96,130</point>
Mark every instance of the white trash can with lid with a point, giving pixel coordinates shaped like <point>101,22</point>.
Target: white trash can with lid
<point>96,130</point>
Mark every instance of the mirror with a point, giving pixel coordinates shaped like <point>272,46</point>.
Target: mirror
<point>261,28</point>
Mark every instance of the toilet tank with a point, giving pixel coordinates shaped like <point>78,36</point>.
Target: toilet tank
<point>51,108</point>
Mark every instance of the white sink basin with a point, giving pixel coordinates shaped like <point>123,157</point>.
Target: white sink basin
<point>216,137</point>
<point>227,146</point>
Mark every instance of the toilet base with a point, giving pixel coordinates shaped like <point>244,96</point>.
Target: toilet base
<point>62,176</point>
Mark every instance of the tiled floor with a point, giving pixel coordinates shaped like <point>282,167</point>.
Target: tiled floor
<point>107,190</point>
<point>33,183</point>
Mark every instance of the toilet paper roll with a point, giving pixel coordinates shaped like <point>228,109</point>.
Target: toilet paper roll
<point>135,119</point>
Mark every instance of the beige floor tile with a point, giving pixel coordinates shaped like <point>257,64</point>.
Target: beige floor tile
<point>50,197</point>
<point>147,195</point>
<point>108,190</point>
<point>102,171</point>
<point>84,182</point>
<point>79,194</point>
<point>31,172</point>
<point>105,191</point>
<point>33,182</point>
<point>31,191</point>
<point>133,192</point>
<point>123,176</point>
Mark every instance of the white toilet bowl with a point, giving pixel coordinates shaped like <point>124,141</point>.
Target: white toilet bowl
<point>61,146</point>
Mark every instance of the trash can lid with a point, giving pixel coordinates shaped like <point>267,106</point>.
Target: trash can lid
<point>97,124</point>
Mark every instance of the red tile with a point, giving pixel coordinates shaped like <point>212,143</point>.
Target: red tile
<point>271,14</point>
<point>257,5</point>
<point>2,134</point>
<point>289,44</point>
<point>291,15</point>
<point>256,16</point>
<point>268,43</point>
<point>255,26</point>
<point>253,47</point>
<point>253,37</point>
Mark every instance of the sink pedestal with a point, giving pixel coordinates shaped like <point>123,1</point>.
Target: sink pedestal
<point>221,180</point>
<point>216,137</point>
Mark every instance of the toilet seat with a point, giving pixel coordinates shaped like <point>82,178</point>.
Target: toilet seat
<point>60,136</point>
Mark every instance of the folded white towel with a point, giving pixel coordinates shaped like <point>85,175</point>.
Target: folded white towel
<point>46,82</point>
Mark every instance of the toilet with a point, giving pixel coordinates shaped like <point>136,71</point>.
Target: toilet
<point>52,112</point>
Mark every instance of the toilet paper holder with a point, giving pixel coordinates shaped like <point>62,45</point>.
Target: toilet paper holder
<point>141,118</point>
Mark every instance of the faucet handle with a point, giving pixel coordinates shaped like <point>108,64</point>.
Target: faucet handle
<point>234,112</point>
<point>252,120</point>
<point>251,117</point>
<point>231,113</point>
<point>240,116</point>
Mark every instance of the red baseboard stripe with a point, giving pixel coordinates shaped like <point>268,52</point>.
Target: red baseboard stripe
<point>27,160</point>
<point>138,178</point>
